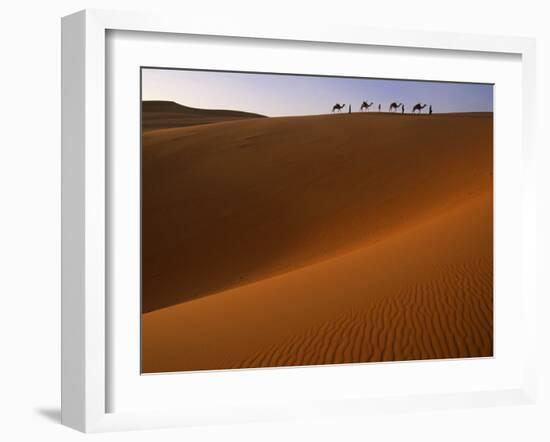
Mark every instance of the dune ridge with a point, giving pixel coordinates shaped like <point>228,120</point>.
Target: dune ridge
<point>424,292</point>
<point>167,114</point>
<point>289,192</point>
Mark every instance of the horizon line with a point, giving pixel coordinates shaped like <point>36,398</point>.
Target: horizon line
<point>321,113</point>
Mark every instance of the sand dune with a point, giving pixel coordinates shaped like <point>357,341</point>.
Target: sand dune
<point>423,292</point>
<point>164,114</point>
<point>315,240</point>
<point>232,203</point>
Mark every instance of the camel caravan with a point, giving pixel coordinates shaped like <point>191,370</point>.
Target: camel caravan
<point>394,107</point>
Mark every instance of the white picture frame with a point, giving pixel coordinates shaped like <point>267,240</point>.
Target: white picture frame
<point>86,353</point>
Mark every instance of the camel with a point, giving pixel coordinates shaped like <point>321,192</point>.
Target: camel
<point>418,107</point>
<point>338,107</point>
<point>366,105</point>
<point>394,106</point>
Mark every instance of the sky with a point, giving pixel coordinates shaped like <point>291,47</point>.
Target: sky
<point>285,95</point>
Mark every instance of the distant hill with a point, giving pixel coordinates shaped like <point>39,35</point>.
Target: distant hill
<point>166,114</point>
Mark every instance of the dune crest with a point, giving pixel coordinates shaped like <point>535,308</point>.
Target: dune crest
<point>231,203</point>
<point>166,114</point>
<point>424,292</point>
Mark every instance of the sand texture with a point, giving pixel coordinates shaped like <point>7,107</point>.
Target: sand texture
<point>318,239</point>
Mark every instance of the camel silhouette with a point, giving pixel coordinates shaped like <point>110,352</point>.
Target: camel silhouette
<point>418,107</point>
<point>394,106</point>
<point>338,107</point>
<point>366,105</point>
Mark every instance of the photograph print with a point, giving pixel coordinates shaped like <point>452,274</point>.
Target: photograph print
<point>303,220</point>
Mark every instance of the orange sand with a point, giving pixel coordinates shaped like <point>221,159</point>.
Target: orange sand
<point>320,239</point>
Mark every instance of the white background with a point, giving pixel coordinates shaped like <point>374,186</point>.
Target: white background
<point>30,218</point>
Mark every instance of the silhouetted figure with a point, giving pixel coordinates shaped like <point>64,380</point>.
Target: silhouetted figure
<point>338,107</point>
<point>402,109</point>
<point>366,105</point>
<point>349,109</point>
<point>379,107</point>
<point>418,107</point>
<point>430,109</point>
<point>394,106</point>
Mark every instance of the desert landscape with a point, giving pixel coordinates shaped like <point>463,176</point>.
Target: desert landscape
<point>317,239</point>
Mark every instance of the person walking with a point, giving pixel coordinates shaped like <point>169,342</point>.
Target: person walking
<point>430,110</point>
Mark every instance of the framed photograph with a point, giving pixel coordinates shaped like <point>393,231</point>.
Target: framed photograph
<point>267,223</point>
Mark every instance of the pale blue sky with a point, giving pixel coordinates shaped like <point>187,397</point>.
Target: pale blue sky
<point>280,95</point>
